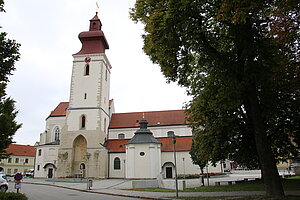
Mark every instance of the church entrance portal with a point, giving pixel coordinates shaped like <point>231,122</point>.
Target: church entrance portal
<point>169,172</point>
<point>50,173</point>
<point>79,156</point>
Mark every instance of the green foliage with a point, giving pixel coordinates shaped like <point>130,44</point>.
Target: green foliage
<point>239,60</point>
<point>9,54</point>
<point>197,157</point>
<point>12,196</point>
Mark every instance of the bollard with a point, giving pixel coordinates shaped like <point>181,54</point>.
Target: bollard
<point>183,185</point>
<point>89,184</point>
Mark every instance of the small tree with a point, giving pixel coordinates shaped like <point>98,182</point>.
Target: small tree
<point>9,54</point>
<point>198,157</point>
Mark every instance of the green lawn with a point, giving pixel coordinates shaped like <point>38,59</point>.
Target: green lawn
<point>288,185</point>
<point>294,177</point>
<point>239,198</point>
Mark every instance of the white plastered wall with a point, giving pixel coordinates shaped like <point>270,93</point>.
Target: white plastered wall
<point>159,131</point>
<point>117,173</point>
<point>143,166</point>
<point>186,166</point>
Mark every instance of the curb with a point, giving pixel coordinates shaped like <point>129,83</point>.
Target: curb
<point>96,192</point>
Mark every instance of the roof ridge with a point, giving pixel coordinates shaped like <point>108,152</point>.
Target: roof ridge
<point>149,111</point>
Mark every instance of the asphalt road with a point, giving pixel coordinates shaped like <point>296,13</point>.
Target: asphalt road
<point>43,192</point>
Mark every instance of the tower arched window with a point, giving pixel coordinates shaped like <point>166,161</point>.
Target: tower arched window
<point>83,121</point>
<point>87,70</point>
<point>117,163</point>
<point>56,134</point>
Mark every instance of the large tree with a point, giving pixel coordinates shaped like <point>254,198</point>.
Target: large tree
<point>240,62</point>
<point>9,54</point>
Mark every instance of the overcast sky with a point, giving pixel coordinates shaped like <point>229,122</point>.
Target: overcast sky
<point>48,32</point>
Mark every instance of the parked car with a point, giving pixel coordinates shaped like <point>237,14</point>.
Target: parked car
<point>30,173</point>
<point>3,183</point>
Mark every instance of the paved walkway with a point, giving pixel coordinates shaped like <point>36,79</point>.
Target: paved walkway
<point>117,187</point>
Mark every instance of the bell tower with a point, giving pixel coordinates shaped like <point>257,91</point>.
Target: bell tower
<point>87,117</point>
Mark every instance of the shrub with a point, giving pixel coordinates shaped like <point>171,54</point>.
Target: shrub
<point>12,196</point>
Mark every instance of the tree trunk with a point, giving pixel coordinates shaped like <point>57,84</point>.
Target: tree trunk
<point>269,170</point>
<point>202,178</point>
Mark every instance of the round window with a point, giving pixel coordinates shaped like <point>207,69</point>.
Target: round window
<point>142,153</point>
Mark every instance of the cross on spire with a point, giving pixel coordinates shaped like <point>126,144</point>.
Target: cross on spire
<point>97,8</point>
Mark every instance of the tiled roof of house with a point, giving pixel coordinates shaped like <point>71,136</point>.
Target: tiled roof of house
<point>182,144</point>
<point>60,110</point>
<point>154,118</point>
<point>21,150</point>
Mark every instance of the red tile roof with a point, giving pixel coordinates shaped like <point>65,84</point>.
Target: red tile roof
<point>116,146</point>
<point>154,118</point>
<point>21,150</point>
<point>182,144</point>
<point>60,110</point>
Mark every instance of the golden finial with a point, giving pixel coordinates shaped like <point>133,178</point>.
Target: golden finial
<point>97,8</point>
<point>143,115</point>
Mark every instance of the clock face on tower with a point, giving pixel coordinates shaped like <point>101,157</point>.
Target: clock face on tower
<point>87,59</point>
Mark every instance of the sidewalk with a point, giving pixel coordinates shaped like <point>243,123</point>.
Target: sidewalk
<point>114,187</point>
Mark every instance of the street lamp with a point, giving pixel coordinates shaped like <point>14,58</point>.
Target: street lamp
<point>88,155</point>
<point>175,165</point>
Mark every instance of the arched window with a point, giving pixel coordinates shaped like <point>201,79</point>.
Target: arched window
<point>56,134</point>
<point>170,134</point>
<point>121,136</point>
<point>40,152</point>
<point>82,166</point>
<point>117,163</point>
<point>87,70</point>
<point>83,121</point>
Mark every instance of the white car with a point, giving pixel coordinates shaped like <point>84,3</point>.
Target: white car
<point>3,183</point>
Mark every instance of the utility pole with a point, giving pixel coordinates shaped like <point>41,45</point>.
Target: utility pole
<point>176,181</point>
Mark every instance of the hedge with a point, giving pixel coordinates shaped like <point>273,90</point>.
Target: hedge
<point>12,196</point>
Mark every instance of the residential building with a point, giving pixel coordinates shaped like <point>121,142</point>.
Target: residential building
<point>21,159</point>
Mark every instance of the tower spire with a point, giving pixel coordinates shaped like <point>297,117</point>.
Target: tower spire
<point>93,41</point>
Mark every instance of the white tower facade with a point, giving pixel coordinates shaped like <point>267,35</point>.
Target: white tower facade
<point>81,151</point>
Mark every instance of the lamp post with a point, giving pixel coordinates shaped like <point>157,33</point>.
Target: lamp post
<point>175,165</point>
<point>88,155</point>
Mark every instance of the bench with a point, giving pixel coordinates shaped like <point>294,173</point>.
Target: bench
<point>218,183</point>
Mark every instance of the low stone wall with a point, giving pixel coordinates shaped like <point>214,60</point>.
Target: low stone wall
<point>69,180</point>
<point>140,184</point>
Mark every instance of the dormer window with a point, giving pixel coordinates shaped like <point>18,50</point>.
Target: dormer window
<point>121,136</point>
<point>87,70</point>
<point>170,134</point>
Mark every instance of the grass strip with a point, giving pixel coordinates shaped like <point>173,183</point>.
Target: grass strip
<point>288,185</point>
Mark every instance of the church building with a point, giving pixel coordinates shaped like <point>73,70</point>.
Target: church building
<point>86,138</point>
